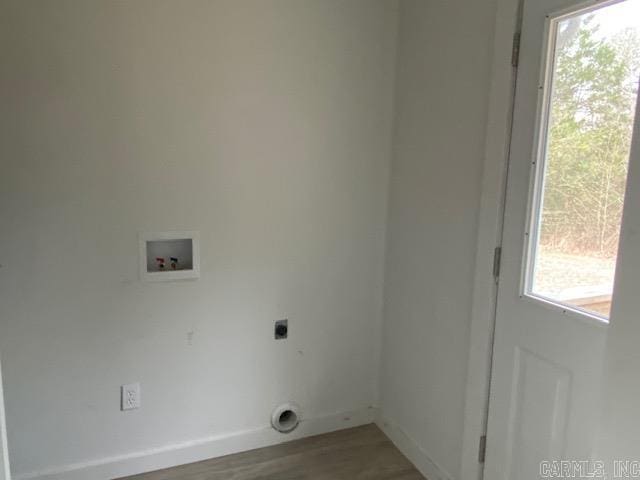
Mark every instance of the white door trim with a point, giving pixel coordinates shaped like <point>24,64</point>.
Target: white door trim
<point>489,233</point>
<point>5,473</point>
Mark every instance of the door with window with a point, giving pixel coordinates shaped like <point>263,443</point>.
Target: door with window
<point>574,114</point>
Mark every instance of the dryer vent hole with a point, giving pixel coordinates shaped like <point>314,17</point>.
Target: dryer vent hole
<point>286,417</point>
<point>287,421</point>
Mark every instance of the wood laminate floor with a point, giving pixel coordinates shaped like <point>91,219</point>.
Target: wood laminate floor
<point>362,453</point>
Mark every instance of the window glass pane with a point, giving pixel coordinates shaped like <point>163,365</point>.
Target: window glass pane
<point>594,84</point>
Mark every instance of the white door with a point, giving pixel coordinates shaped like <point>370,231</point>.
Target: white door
<point>573,116</point>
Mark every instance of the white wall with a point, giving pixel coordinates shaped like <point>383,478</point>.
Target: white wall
<point>265,125</point>
<point>444,60</point>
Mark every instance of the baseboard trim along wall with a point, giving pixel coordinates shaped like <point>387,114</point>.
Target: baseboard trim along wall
<point>200,449</point>
<point>410,449</point>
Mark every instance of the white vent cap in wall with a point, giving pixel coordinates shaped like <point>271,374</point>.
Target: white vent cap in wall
<point>286,417</point>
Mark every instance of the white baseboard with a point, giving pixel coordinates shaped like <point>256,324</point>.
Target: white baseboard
<point>410,449</point>
<point>200,449</point>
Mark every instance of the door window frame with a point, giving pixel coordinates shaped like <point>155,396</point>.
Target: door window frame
<point>531,237</point>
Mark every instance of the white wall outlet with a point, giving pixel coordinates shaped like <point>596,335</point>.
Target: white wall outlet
<point>130,396</point>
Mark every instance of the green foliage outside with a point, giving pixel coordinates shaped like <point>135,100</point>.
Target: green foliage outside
<point>593,105</point>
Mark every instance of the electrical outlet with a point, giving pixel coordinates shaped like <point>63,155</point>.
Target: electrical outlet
<point>130,396</point>
<point>282,329</point>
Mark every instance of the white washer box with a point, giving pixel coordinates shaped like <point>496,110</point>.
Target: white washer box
<point>183,247</point>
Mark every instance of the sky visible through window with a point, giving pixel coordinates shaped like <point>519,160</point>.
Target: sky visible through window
<point>617,17</point>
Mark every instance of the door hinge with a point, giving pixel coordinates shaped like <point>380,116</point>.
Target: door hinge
<point>497,260</point>
<point>482,449</point>
<point>515,52</point>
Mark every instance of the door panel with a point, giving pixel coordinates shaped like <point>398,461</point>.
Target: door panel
<point>548,354</point>
<point>538,413</point>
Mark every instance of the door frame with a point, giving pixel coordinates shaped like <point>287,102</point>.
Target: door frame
<point>492,199</point>
<point>5,473</point>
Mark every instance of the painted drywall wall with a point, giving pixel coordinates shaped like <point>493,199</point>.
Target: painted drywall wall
<point>444,59</point>
<point>263,124</point>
